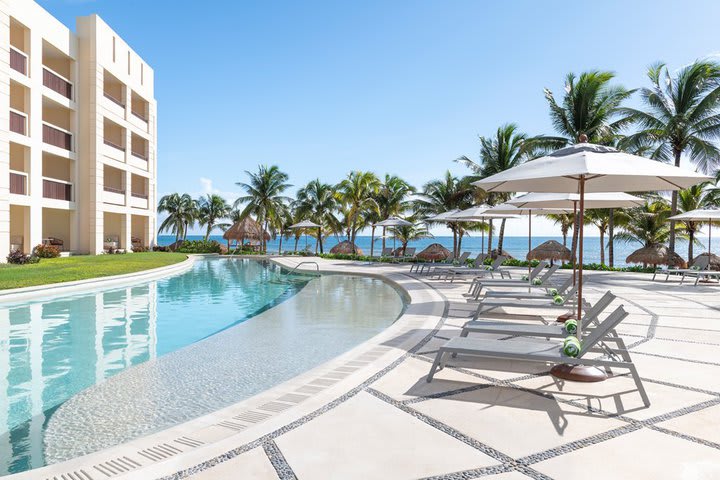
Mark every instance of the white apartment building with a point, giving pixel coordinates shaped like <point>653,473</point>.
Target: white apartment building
<point>77,135</point>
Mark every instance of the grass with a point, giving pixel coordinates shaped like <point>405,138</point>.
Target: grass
<point>69,269</point>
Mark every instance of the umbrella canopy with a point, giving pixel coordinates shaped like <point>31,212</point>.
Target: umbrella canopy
<point>394,222</point>
<point>434,252</point>
<point>476,214</point>
<point>603,169</point>
<point>246,229</point>
<point>550,250</point>
<point>709,215</point>
<point>443,217</point>
<point>570,200</point>
<point>305,224</point>
<point>346,247</point>
<point>656,255</point>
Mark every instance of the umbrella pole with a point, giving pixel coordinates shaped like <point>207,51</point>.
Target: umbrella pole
<point>573,260</point>
<point>529,246</point>
<point>579,373</point>
<point>482,235</point>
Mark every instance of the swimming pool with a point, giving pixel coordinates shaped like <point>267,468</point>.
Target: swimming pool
<point>84,372</point>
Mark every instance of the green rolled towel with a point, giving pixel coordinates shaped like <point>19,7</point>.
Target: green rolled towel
<point>536,281</point>
<point>553,292</point>
<point>571,326</point>
<point>558,300</point>
<point>524,278</point>
<point>571,347</point>
<point>694,267</point>
<point>489,268</point>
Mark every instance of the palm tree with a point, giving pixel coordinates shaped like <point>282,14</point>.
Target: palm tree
<point>409,233</point>
<point>647,224</point>
<point>316,201</point>
<point>439,196</point>
<point>600,217</point>
<point>392,200</point>
<point>682,117</point>
<point>693,198</point>
<point>508,148</point>
<point>212,208</point>
<point>591,106</point>
<point>264,196</point>
<point>357,195</point>
<point>182,212</point>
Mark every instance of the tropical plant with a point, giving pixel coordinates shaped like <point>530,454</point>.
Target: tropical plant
<point>600,217</point>
<point>317,202</point>
<point>566,222</point>
<point>695,197</point>
<point>409,233</point>
<point>440,196</point>
<point>646,225</point>
<point>264,197</point>
<point>392,200</point>
<point>507,149</point>
<point>181,214</point>
<point>356,194</point>
<point>212,208</point>
<point>681,117</point>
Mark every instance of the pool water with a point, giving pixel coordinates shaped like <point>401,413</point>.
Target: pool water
<point>66,382</point>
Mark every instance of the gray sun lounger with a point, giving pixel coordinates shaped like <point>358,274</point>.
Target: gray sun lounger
<point>543,351</point>
<point>524,294</point>
<point>702,264</point>
<point>544,282</point>
<point>488,304</point>
<point>433,268</point>
<point>455,272</point>
<point>476,285</point>
<point>450,262</point>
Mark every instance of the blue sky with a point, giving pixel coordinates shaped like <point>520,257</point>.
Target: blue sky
<point>324,87</point>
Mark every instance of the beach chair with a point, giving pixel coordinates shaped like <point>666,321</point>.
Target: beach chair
<point>439,268</point>
<point>615,353</point>
<point>458,272</point>
<point>522,293</point>
<point>478,283</point>
<point>420,267</point>
<point>702,263</point>
<point>386,252</point>
<point>409,253</point>
<point>488,303</point>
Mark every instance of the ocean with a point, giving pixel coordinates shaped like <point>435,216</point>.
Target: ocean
<point>515,246</point>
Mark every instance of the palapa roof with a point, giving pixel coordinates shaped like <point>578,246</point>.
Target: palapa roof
<point>347,248</point>
<point>656,255</point>
<point>245,229</point>
<point>550,250</point>
<point>434,252</point>
<point>702,258</point>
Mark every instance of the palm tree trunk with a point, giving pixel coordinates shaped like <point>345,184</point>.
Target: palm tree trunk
<point>383,240</point>
<point>501,237</point>
<point>691,235</point>
<point>454,242</point>
<point>372,241</point>
<point>209,229</point>
<point>673,207</point>
<point>611,238</point>
<point>573,250</point>
<point>490,232</point>
<point>320,239</point>
<point>602,247</point>
<point>297,239</point>
<point>280,246</point>
<point>460,237</point>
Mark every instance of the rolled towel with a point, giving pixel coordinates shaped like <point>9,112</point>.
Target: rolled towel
<point>558,300</point>
<point>489,268</point>
<point>553,292</point>
<point>571,347</point>
<point>536,281</point>
<point>571,326</point>
<point>524,278</point>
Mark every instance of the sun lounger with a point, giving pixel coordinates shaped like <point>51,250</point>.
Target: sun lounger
<point>475,286</point>
<point>456,272</point>
<point>450,263</point>
<point>544,280</point>
<point>524,294</point>
<point>700,275</point>
<point>486,304</point>
<point>702,264</point>
<point>544,351</point>
<point>409,253</point>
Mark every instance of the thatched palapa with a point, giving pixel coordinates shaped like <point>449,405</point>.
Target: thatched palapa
<point>714,261</point>
<point>246,229</point>
<point>656,255</point>
<point>434,252</point>
<point>346,248</point>
<point>550,250</point>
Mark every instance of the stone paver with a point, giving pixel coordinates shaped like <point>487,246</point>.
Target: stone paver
<point>253,464</point>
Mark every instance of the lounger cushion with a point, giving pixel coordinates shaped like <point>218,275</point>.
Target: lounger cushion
<point>539,350</point>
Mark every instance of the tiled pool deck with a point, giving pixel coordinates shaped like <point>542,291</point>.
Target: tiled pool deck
<point>370,413</point>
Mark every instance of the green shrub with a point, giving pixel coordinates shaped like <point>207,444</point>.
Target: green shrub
<point>46,251</point>
<point>140,249</point>
<point>199,246</point>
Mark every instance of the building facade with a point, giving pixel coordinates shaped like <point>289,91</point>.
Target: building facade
<point>77,135</point>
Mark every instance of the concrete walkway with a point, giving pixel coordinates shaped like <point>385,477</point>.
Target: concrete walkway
<point>512,420</point>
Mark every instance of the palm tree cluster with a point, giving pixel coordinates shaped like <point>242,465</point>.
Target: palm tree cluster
<point>678,120</point>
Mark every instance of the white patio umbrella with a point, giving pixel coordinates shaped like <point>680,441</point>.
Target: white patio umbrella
<point>307,224</point>
<point>571,200</point>
<point>478,214</point>
<point>709,215</point>
<point>586,168</point>
<point>392,222</point>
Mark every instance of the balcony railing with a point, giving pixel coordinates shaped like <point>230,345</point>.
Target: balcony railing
<point>113,99</point>
<point>140,115</point>
<point>57,83</point>
<point>57,137</point>
<point>113,144</point>
<point>18,183</point>
<point>18,122</point>
<point>121,191</point>
<point>139,195</point>
<point>141,155</point>
<point>57,190</point>
<point>18,61</point>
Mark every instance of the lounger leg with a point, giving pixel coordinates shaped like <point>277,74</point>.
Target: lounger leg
<point>435,366</point>
<point>638,383</point>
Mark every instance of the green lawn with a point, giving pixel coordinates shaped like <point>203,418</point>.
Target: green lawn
<point>54,270</point>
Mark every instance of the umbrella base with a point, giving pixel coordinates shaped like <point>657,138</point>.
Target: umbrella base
<point>578,373</point>
<point>565,317</point>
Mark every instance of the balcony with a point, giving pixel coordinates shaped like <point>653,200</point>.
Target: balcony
<point>57,189</point>
<point>114,145</point>
<point>18,61</point>
<point>139,200</point>
<point>113,195</point>
<point>117,102</point>
<point>18,183</point>
<point>139,154</point>
<point>57,137</point>
<point>18,122</point>
<point>56,83</point>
